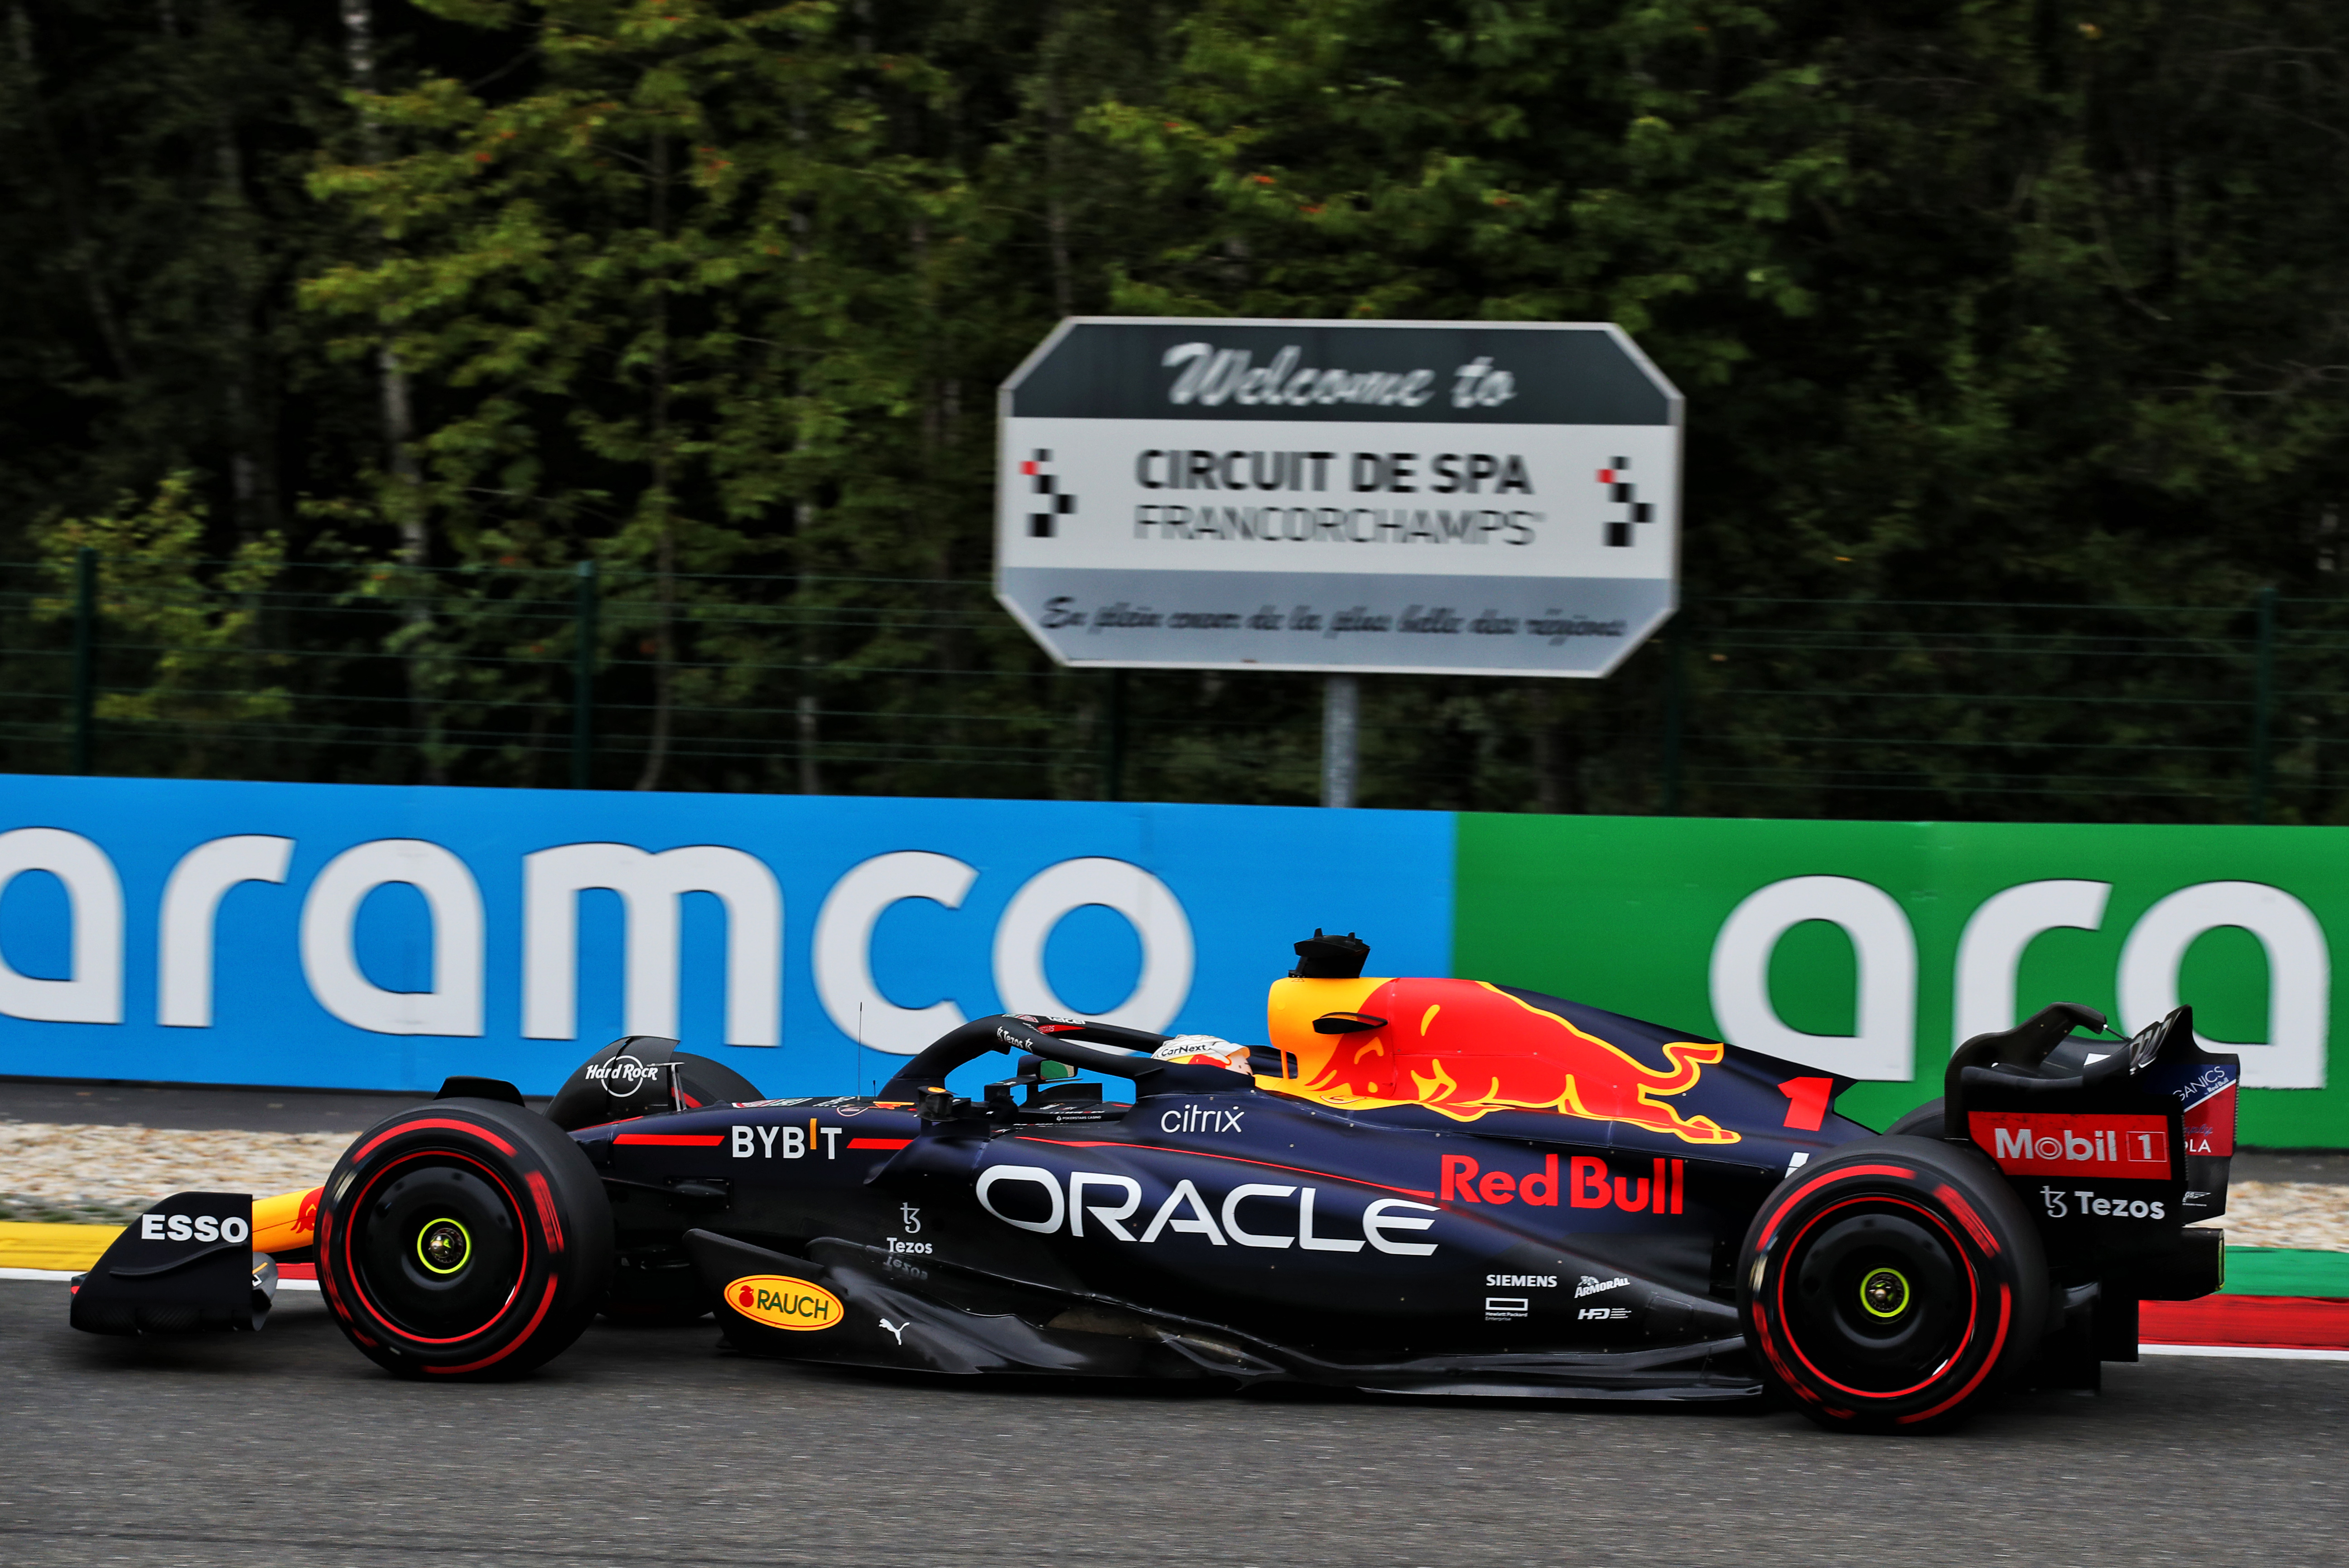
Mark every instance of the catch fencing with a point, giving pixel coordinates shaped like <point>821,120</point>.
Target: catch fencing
<point>609,676</point>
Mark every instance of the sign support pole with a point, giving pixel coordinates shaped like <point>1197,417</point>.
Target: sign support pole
<point>2263,704</point>
<point>1341,722</point>
<point>1112,762</point>
<point>1676,655</point>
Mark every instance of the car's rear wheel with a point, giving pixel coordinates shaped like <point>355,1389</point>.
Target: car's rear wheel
<point>465,1239</point>
<point>1924,1121</point>
<point>1894,1285</point>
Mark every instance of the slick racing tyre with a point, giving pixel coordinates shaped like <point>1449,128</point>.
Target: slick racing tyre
<point>1893,1285</point>
<point>1925,1121</point>
<point>463,1238</point>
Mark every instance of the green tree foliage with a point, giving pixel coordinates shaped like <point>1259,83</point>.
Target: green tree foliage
<point>1983,302</point>
<point>721,289</point>
<point>153,217</point>
<point>1999,302</point>
<point>209,678</point>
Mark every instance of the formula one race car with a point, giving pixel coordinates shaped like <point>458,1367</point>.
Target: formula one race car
<point>1420,1186</point>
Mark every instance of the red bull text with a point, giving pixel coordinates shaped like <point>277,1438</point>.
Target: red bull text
<point>1590,1183</point>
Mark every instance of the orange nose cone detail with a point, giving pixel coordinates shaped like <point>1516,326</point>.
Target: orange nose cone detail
<point>1465,1048</point>
<point>286,1222</point>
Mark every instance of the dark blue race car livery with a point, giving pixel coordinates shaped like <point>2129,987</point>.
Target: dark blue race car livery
<point>1423,1186</point>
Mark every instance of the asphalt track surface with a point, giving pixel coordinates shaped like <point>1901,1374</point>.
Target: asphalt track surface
<point>650,1446</point>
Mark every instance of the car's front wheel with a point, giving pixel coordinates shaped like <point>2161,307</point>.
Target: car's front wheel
<point>1893,1285</point>
<point>464,1239</point>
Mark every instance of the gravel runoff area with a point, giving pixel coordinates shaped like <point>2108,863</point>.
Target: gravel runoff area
<point>63,1171</point>
<point>96,1152</point>
<point>76,1171</point>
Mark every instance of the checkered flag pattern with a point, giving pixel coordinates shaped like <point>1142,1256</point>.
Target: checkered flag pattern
<point>1040,523</point>
<point>1619,489</point>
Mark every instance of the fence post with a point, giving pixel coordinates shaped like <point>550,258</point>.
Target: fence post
<point>85,655</point>
<point>1675,707</point>
<point>2263,705</point>
<point>582,680</point>
<point>1113,737</point>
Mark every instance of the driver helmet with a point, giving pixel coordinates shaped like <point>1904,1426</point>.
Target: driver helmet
<point>1205,1051</point>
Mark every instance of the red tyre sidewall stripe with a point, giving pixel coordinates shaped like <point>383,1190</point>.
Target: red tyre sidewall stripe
<point>377,1315</point>
<point>1969,1219</point>
<point>543,1196</point>
<point>322,1239</point>
<point>1973,1305</point>
<point>436,1124</point>
<point>1997,1343</point>
<point>1770,1226</point>
<point>1770,1354</point>
<point>517,1343</point>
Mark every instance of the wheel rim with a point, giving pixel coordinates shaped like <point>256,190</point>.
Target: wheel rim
<point>1878,1297</point>
<point>437,1248</point>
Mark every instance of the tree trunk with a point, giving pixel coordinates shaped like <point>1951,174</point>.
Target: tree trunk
<point>237,306</point>
<point>664,539</point>
<point>810,705</point>
<point>406,500</point>
<point>1055,207</point>
<point>85,253</point>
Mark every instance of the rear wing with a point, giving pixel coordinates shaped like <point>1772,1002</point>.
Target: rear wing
<point>2115,1146</point>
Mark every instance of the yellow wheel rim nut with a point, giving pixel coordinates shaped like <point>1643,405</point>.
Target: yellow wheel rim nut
<point>443,1246</point>
<point>1884,1292</point>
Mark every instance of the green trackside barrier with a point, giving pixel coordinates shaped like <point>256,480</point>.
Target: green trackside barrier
<point>2286,1272</point>
<point>1663,917</point>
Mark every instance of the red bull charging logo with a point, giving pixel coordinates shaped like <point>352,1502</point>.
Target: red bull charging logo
<point>1466,1049</point>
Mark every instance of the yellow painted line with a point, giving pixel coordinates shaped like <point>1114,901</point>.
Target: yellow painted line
<point>27,1245</point>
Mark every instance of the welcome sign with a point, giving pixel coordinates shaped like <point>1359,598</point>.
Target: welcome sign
<point>1340,495</point>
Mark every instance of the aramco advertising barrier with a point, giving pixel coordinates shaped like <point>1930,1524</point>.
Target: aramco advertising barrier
<point>357,937</point>
<point>384,938</point>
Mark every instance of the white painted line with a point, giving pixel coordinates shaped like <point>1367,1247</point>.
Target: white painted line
<point>62,1274</point>
<point>2254,1352</point>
